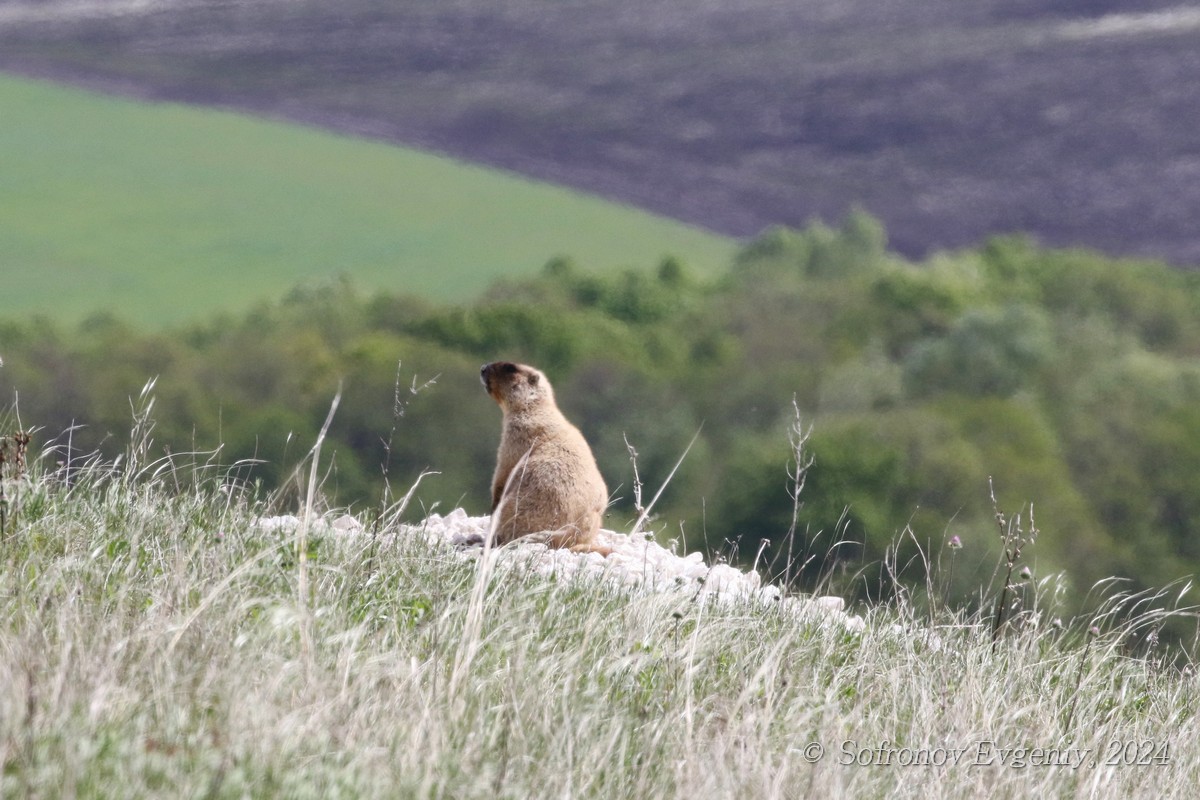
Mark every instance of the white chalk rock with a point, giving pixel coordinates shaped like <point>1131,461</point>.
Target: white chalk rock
<point>637,562</point>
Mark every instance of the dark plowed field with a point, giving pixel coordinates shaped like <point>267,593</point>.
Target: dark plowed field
<point>1076,121</point>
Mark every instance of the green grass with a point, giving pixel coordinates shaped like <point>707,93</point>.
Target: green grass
<point>156,643</point>
<point>163,212</point>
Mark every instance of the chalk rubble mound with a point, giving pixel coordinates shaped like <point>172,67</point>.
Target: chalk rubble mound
<point>638,562</point>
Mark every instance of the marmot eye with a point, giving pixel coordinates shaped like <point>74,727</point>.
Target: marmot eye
<point>510,368</point>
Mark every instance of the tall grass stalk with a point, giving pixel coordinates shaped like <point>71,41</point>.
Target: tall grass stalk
<point>645,512</point>
<point>1013,538</point>
<point>302,530</point>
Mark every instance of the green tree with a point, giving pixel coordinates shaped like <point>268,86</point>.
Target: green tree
<point>986,352</point>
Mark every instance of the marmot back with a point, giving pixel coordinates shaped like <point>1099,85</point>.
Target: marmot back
<point>547,486</point>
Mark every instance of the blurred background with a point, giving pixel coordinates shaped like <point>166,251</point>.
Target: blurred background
<point>956,238</point>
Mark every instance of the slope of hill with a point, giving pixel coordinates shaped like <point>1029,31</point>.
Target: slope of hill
<point>1075,121</point>
<point>160,642</point>
<point>164,212</point>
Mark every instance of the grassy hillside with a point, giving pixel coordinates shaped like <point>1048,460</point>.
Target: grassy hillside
<point>157,643</point>
<point>163,212</point>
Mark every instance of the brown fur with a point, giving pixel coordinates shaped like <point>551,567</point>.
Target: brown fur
<point>547,486</point>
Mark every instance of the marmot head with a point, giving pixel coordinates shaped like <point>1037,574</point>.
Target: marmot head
<point>516,386</point>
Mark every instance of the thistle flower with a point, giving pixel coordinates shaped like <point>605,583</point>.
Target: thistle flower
<point>955,543</point>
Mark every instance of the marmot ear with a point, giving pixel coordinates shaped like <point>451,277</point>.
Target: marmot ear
<point>533,379</point>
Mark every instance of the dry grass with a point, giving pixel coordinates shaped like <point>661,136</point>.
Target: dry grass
<point>155,642</point>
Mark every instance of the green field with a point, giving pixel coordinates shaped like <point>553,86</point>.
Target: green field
<point>163,212</point>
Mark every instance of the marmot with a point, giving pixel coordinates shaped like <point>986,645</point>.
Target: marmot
<point>546,481</point>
